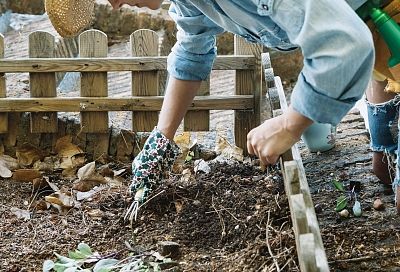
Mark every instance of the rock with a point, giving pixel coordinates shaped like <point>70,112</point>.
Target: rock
<point>379,205</point>
<point>344,213</point>
<point>169,249</point>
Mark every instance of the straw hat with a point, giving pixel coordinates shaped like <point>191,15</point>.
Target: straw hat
<point>70,17</point>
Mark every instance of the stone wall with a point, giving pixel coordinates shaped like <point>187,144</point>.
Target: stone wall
<point>24,6</point>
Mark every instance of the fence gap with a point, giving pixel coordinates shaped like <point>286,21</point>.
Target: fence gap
<point>42,45</point>
<point>199,120</point>
<point>247,82</point>
<point>144,43</point>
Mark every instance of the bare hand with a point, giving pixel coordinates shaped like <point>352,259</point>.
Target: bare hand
<point>277,135</point>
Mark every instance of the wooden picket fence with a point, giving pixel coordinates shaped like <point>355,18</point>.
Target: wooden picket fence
<point>144,62</point>
<point>310,249</point>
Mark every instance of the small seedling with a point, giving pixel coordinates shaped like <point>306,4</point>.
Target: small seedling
<point>346,196</point>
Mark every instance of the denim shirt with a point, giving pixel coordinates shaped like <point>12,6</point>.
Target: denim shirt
<point>337,46</point>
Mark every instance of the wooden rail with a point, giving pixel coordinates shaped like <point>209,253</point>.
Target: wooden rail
<point>310,249</point>
<point>101,64</point>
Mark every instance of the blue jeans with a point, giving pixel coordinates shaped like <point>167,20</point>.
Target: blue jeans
<point>383,120</point>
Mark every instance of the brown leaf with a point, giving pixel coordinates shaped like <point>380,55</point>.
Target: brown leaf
<point>4,171</point>
<point>26,175</point>
<point>65,148</point>
<point>62,202</point>
<point>85,185</point>
<point>27,154</point>
<point>39,183</point>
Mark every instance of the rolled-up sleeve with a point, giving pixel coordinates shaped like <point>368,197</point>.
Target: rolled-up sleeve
<point>194,53</point>
<point>338,56</point>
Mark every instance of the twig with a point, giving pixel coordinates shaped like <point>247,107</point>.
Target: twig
<point>223,233</point>
<point>269,246</point>
<point>366,258</point>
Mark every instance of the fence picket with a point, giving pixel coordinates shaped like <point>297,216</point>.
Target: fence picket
<point>93,43</point>
<point>3,91</point>
<point>247,82</point>
<point>42,45</point>
<point>144,42</point>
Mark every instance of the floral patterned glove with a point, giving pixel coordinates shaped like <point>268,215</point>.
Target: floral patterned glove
<point>157,156</point>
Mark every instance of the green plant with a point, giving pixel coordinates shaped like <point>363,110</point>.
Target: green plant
<point>346,197</point>
<point>83,259</point>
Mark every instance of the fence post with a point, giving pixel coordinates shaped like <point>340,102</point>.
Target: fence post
<point>144,43</point>
<point>92,44</point>
<point>199,120</point>
<point>247,82</point>
<point>3,91</point>
<point>42,45</point>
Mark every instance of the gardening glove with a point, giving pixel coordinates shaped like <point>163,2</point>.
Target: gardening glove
<point>382,53</point>
<point>157,156</point>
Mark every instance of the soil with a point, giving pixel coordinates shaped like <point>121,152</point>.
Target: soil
<point>370,242</point>
<point>227,220</point>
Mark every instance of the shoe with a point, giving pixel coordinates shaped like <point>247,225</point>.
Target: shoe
<point>157,156</point>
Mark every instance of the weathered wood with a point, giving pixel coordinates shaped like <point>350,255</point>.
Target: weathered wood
<point>135,103</point>
<point>307,257</point>
<point>292,180</point>
<point>42,45</point>
<point>144,43</point>
<point>93,43</point>
<point>3,91</point>
<point>321,259</point>
<point>14,122</point>
<point>298,212</point>
<point>246,83</point>
<point>199,120</point>
<point>82,64</point>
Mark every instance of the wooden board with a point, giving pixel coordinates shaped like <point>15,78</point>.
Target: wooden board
<point>93,43</point>
<point>82,64</point>
<point>247,83</point>
<point>42,45</point>
<point>151,103</point>
<point>144,43</point>
<point>3,91</point>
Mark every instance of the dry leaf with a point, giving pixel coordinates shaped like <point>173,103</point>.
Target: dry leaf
<point>48,164</point>
<point>106,171</point>
<point>65,148</point>
<point>21,214</point>
<point>202,165</point>
<point>85,195</point>
<point>39,183</point>
<point>115,181</point>
<point>26,175</point>
<point>183,141</point>
<point>42,205</point>
<point>4,171</point>
<point>62,202</point>
<point>9,162</point>
<point>27,154</point>
<point>227,150</point>
<point>85,185</point>
<point>86,171</point>
<point>119,172</point>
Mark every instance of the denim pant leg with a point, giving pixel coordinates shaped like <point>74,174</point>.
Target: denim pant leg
<point>383,120</point>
